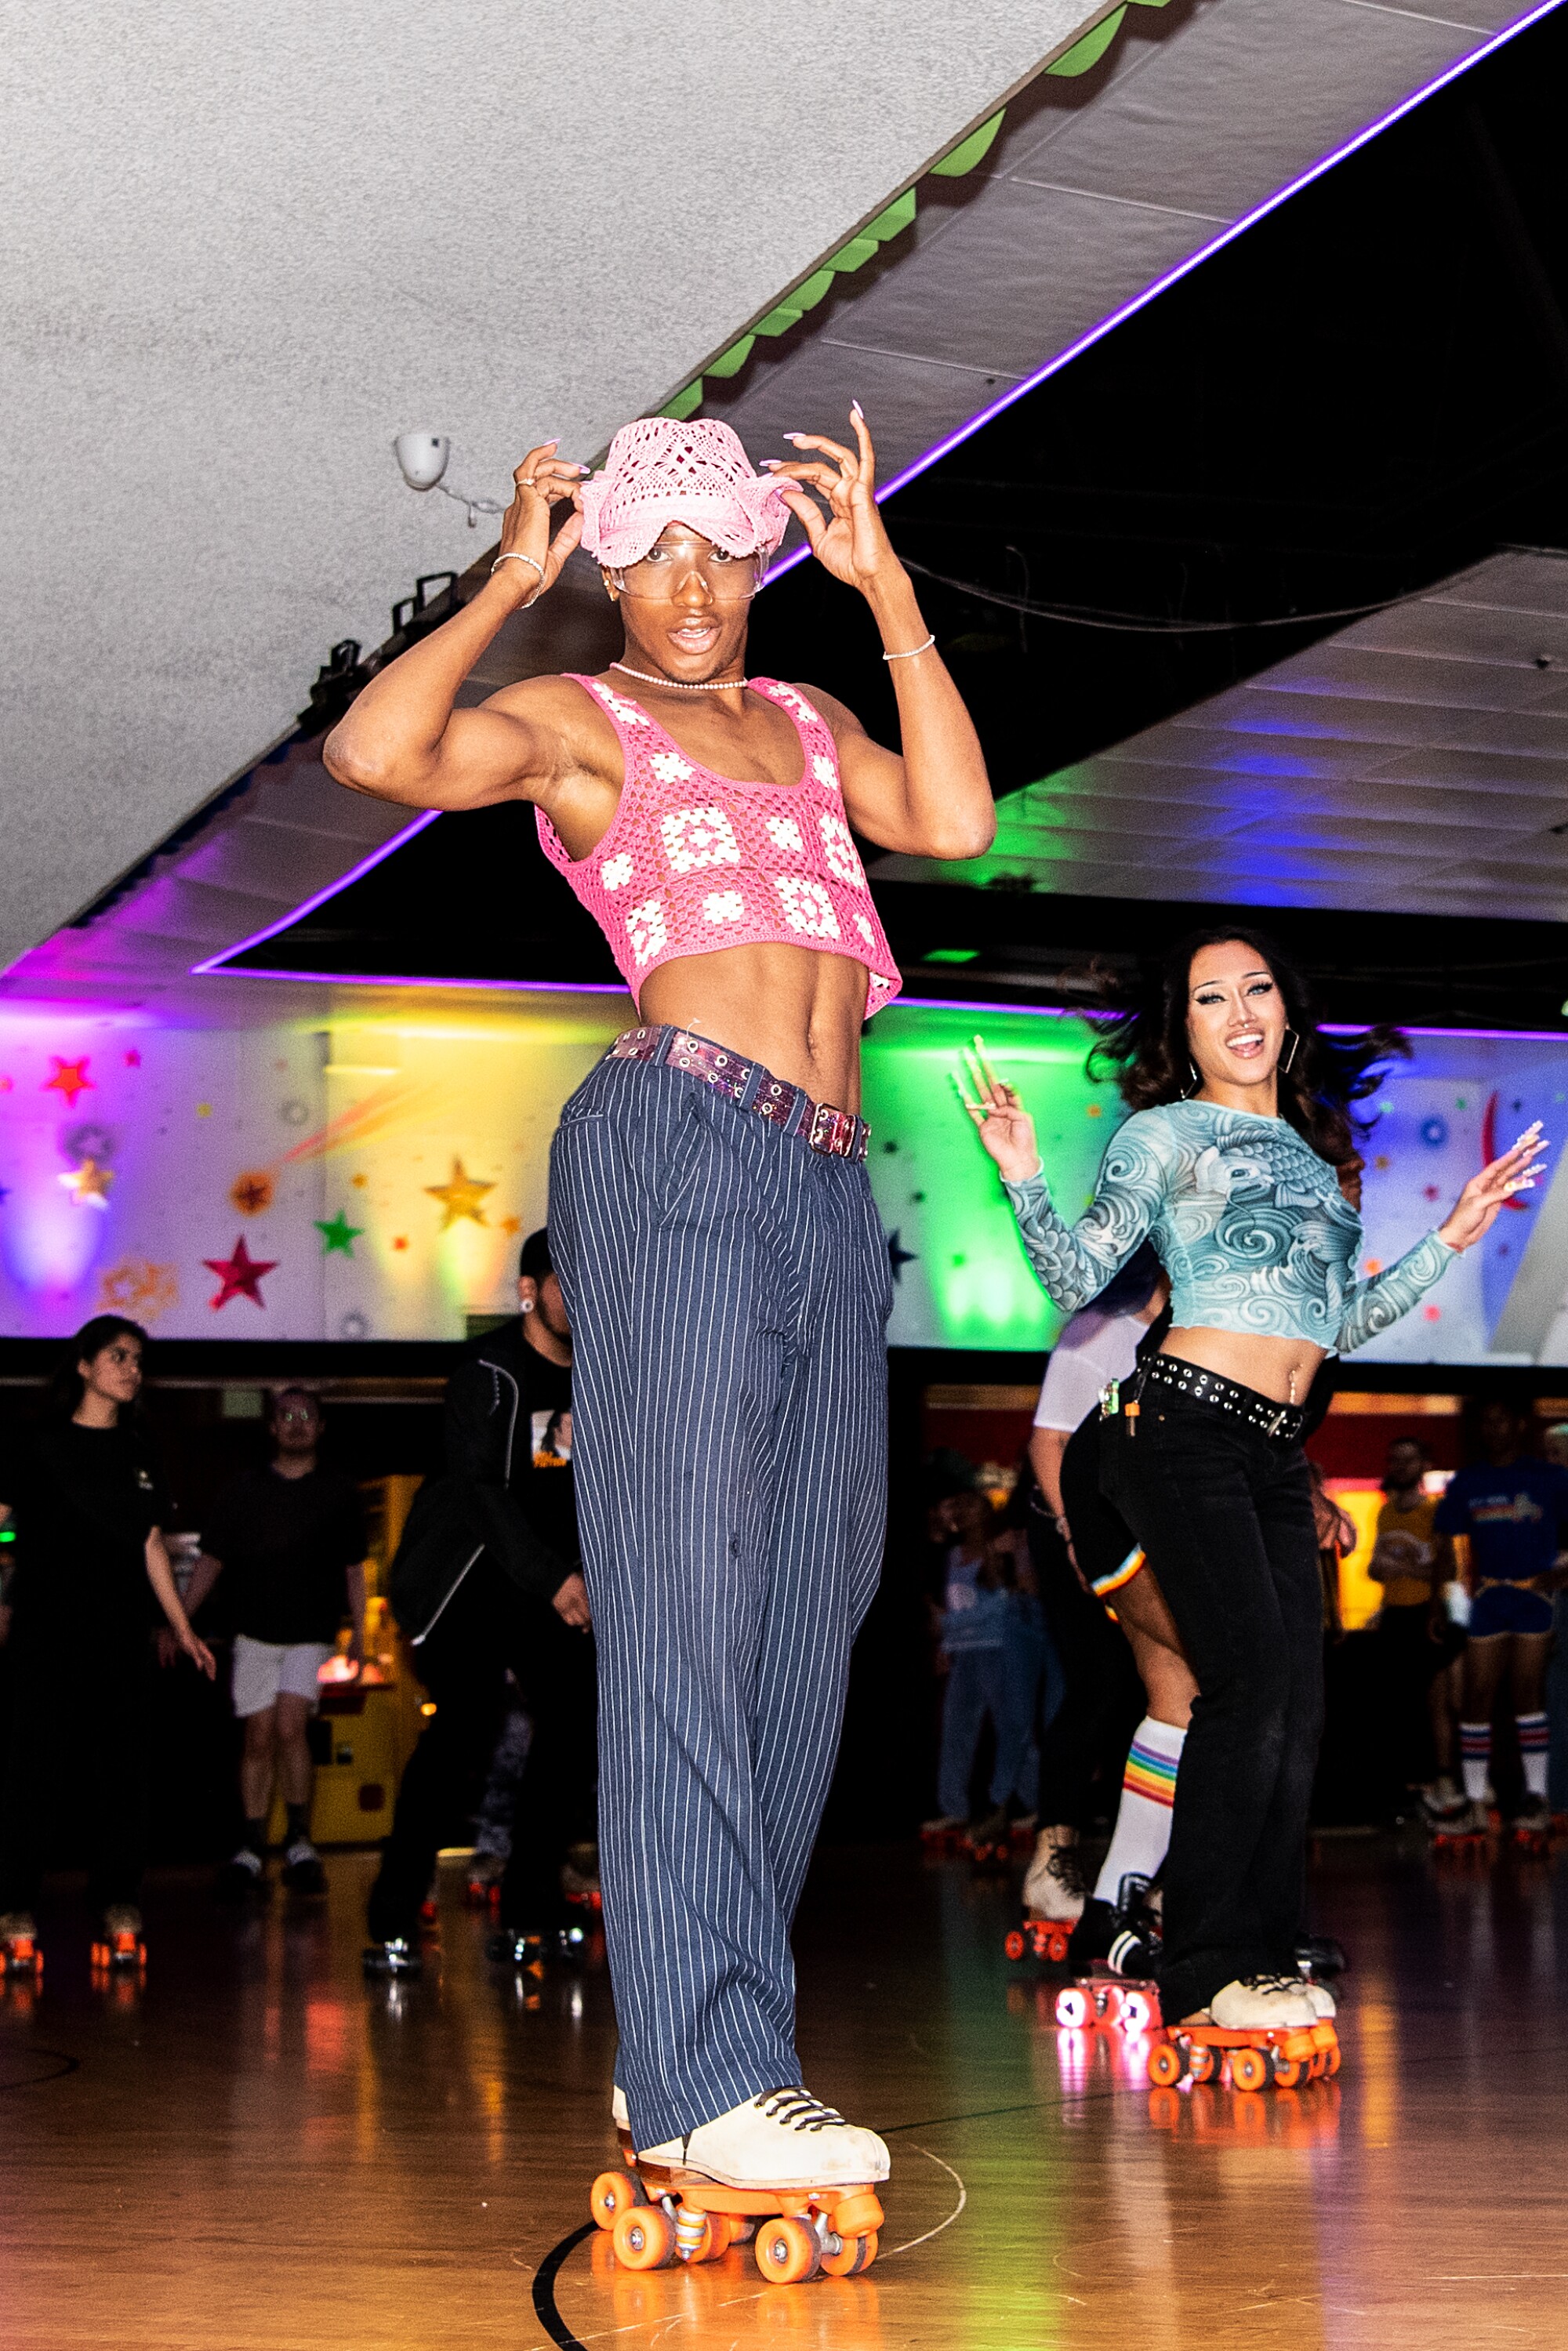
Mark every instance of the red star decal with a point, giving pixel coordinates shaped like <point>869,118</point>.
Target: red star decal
<point>68,1078</point>
<point>240,1275</point>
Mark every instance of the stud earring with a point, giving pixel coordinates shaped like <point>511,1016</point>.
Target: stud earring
<point>1196,1082</point>
<point>1289,1058</point>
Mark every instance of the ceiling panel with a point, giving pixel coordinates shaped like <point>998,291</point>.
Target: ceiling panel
<point>1408,822</point>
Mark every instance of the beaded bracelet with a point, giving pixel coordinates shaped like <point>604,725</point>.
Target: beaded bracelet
<point>515,555</point>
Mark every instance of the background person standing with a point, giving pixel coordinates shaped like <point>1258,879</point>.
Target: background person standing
<point>292,1536</point>
<point>486,1581</point>
<point>91,1575</point>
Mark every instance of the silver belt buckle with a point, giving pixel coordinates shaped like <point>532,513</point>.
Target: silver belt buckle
<point>1278,1421</point>
<point>831,1132</point>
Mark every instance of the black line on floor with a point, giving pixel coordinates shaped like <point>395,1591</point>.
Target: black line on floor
<point>62,2067</point>
<point>545,2277</point>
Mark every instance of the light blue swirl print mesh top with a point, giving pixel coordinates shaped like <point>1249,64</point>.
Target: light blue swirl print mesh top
<point>1248,1221</point>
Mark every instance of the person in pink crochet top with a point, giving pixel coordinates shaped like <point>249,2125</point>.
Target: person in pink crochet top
<point>711,1222</point>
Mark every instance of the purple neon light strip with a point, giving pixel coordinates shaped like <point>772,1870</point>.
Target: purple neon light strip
<point>981,418</point>
<point>318,898</point>
<point>1151,293</point>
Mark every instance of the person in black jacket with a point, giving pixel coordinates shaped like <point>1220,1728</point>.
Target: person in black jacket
<point>486,1580</point>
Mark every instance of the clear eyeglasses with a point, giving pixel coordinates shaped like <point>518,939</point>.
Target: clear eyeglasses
<point>670,563</point>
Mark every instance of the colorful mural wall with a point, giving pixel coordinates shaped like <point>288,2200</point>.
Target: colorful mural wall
<point>369,1175</point>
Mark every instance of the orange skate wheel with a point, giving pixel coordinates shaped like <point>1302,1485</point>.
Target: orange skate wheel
<point>787,2252</point>
<point>855,2254</point>
<point>643,2237</point>
<point>1330,2059</point>
<point>100,1954</point>
<point>615,2193</point>
<point>1288,2073</point>
<point>1165,2065</point>
<point>1014,1946</point>
<point>1073,2008</point>
<point>1135,2013</point>
<point>721,2228</point>
<point>1249,2069</point>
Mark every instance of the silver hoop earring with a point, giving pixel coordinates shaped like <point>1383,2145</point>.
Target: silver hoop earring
<point>1289,1061</point>
<point>526,1305</point>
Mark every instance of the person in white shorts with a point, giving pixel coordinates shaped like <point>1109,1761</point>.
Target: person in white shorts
<point>292,1537</point>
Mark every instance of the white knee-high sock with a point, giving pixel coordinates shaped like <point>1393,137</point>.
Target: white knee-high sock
<point>1533,1753</point>
<point>1142,1828</point>
<point>1475,1748</point>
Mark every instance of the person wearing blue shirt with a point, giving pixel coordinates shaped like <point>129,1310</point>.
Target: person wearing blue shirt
<point>1230,1164</point>
<point>1507,1519</point>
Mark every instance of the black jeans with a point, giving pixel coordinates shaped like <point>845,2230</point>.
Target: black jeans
<point>488,1626</point>
<point>76,1766</point>
<point>1227,1513</point>
<point>1085,1750</point>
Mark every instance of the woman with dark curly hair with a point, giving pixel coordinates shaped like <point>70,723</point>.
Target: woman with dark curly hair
<point>1242,1111</point>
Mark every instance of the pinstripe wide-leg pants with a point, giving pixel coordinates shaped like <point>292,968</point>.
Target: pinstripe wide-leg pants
<point>729,1289</point>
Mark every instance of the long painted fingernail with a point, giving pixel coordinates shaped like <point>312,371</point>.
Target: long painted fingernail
<point>791,436</point>
<point>856,410</point>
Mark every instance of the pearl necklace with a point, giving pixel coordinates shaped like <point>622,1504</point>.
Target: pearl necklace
<point>685,684</point>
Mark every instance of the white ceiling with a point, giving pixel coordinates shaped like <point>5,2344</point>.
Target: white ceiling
<point>1417,762</point>
<point>293,242</point>
<point>246,247</point>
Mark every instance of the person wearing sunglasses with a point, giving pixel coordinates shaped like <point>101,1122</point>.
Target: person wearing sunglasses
<point>713,1225</point>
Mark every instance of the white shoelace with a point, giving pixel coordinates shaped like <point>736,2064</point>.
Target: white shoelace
<point>798,2110</point>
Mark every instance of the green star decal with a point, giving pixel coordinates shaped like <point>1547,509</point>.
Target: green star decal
<point>338,1234</point>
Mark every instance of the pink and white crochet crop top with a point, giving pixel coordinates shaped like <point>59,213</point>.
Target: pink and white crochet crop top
<point>693,862</point>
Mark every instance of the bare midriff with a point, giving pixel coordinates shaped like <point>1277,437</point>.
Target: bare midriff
<point>796,1010</point>
<point>1283,1369</point>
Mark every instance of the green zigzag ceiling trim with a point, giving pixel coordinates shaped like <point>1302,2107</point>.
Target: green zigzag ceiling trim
<point>896,217</point>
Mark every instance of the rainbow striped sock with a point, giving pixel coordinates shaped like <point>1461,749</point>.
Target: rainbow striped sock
<point>1142,1828</point>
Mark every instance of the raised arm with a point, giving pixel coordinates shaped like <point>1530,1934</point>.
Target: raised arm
<point>935,800</point>
<point>401,738</point>
<point>1374,1304</point>
<point>1073,1262</point>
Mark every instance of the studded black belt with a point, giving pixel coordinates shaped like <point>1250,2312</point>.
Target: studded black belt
<point>1283,1422</point>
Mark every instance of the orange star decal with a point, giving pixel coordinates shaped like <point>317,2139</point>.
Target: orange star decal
<point>89,1184</point>
<point>461,1197</point>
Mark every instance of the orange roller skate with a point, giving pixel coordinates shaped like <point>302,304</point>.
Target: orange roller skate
<point>667,2206</point>
<point>120,1947</point>
<point>19,1952</point>
<point>1283,2056</point>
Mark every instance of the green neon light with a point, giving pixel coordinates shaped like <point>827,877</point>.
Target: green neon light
<point>951,954</point>
<point>967,1282</point>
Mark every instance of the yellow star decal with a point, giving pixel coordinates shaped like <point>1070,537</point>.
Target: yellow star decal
<point>461,1197</point>
<point>89,1184</point>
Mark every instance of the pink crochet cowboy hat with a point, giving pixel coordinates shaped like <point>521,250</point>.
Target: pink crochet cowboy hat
<point>661,472</point>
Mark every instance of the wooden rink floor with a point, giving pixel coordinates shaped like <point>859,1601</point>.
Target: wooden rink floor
<point>257,2148</point>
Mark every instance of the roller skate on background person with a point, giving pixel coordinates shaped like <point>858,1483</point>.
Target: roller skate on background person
<point>486,1588</point>
<point>84,1492</point>
<point>19,1951</point>
<point>1505,1519</point>
<point>119,1943</point>
<point>710,1210</point>
<point>1230,1083</point>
